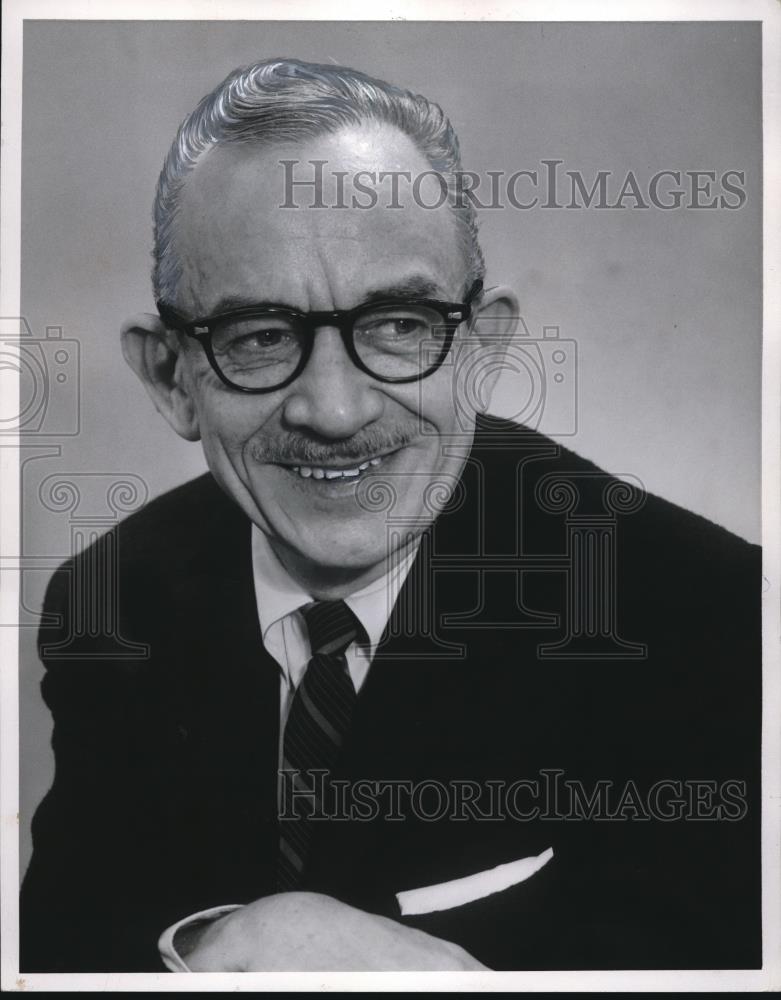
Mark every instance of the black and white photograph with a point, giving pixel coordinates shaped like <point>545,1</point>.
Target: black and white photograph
<point>390,459</point>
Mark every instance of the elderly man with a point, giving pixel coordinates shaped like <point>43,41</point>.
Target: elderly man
<point>423,690</point>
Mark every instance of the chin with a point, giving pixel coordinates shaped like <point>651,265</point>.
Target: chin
<point>332,558</point>
<point>341,554</point>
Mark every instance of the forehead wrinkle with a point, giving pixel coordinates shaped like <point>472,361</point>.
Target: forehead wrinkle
<point>312,256</point>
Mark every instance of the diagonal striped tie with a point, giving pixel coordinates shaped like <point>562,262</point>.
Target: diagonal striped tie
<point>316,726</point>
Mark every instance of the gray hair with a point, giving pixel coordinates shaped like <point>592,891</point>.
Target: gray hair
<point>286,100</point>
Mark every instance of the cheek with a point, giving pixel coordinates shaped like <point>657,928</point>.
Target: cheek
<point>432,401</point>
<point>473,378</point>
<point>230,421</point>
<point>223,413</point>
<point>445,399</point>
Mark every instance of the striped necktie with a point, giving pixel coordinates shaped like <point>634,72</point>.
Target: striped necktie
<point>317,724</point>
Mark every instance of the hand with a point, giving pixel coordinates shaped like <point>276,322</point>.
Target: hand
<point>310,932</point>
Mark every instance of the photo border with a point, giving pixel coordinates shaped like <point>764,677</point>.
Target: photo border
<point>15,12</point>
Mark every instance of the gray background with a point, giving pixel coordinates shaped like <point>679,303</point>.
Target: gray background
<point>665,307</point>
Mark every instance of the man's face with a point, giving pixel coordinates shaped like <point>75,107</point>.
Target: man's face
<point>237,245</point>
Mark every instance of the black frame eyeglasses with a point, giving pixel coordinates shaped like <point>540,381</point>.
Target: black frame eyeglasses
<point>450,316</point>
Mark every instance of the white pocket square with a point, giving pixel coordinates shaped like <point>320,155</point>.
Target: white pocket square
<point>447,895</point>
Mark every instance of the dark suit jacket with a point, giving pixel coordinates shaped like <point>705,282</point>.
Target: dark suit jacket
<point>498,665</point>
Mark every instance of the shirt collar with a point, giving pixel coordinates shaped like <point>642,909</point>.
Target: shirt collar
<point>278,595</point>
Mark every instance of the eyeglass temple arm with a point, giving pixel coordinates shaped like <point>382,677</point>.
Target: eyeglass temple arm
<point>170,316</point>
<point>474,292</point>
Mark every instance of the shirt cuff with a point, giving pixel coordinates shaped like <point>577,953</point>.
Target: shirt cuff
<point>172,960</point>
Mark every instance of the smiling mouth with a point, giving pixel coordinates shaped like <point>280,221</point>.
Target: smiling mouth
<point>334,473</point>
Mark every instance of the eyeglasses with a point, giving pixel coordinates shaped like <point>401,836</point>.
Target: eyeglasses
<point>263,348</point>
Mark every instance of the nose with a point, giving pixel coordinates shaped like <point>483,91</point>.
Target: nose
<point>331,397</point>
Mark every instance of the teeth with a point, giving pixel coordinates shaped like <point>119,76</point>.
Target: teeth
<point>306,471</point>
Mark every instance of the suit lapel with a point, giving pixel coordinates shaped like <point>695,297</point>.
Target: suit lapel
<point>449,703</point>
<point>225,689</point>
<point>423,715</point>
<point>423,721</point>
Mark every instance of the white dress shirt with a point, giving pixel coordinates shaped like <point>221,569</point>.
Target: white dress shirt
<point>279,601</point>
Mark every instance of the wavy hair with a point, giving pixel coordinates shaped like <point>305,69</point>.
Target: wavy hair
<point>286,100</point>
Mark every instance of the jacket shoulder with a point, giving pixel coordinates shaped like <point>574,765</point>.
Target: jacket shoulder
<point>128,575</point>
<point>176,518</point>
<point>639,512</point>
<point>176,522</point>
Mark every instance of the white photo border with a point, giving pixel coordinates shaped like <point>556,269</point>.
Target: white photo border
<point>15,12</point>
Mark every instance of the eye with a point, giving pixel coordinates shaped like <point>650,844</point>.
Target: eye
<point>261,338</point>
<point>254,335</point>
<point>395,324</point>
<point>408,324</point>
<point>401,326</point>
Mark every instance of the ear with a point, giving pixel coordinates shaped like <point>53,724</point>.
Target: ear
<point>492,327</point>
<point>157,357</point>
<point>495,317</point>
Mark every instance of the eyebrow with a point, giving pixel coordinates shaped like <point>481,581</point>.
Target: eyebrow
<point>415,287</point>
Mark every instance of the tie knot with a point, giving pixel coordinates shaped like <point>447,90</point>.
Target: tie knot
<point>332,626</point>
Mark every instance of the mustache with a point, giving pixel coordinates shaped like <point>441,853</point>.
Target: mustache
<point>300,449</point>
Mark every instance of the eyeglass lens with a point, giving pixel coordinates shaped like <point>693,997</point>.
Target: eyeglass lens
<point>262,350</point>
